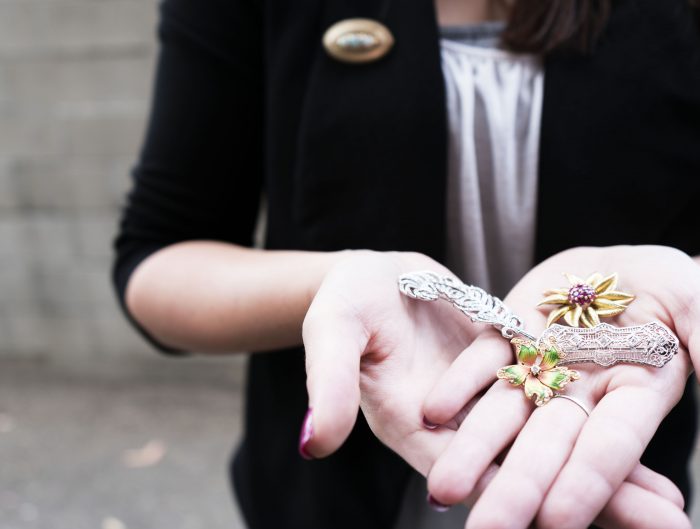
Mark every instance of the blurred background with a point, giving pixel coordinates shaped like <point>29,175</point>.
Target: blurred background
<point>96,430</point>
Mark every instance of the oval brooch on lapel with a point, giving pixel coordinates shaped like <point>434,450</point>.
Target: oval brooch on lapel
<point>357,40</point>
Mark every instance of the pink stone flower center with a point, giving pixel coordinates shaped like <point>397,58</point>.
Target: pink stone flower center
<point>582,294</point>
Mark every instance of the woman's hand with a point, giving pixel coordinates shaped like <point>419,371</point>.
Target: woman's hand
<point>366,342</point>
<point>563,468</point>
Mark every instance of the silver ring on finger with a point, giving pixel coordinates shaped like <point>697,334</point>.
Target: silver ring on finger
<point>575,401</point>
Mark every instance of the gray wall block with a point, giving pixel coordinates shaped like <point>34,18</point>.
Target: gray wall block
<point>75,82</point>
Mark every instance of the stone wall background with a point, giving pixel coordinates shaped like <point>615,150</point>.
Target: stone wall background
<point>75,80</point>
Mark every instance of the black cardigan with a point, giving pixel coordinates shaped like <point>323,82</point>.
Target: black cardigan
<point>354,156</point>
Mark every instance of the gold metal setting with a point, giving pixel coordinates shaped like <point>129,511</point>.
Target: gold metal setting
<point>358,40</point>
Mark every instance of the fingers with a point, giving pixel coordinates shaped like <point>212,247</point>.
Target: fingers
<point>607,450</point>
<point>421,449</point>
<point>483,482</point>
<point>334,340</point>
<point>534,461</point>
<point>532,464</point>
<point>486,431</point>
<point>687,320</point>
<point>470,372</point>
<point>654,482</point>
<point>634,507</point>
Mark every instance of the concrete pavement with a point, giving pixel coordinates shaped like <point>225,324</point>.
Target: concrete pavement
<point>144,447</point>
<point>136,445</point>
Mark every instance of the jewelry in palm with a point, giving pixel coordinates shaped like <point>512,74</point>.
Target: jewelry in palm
<point>541,361</point>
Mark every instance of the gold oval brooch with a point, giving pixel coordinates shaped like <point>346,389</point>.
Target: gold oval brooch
<point>357,40</point>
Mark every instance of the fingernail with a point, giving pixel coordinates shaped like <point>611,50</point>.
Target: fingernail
<point>428,424</point>
<point>307,432</point>
<point>436,505</point>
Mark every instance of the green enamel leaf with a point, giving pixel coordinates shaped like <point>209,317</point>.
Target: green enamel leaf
<point>554,379</point>
<point>527,354</point>
<point>550,358</point>
<point>558,378</point>
<point>514,374</point>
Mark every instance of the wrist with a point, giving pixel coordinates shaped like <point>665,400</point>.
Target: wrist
<point>321,266</point>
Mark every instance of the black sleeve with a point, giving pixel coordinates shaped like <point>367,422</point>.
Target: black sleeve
<point>199,173</point>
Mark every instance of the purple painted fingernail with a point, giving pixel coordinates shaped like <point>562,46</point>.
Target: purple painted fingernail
<point>436,505</point>
<point>429,424</point>
<point>307,432</point>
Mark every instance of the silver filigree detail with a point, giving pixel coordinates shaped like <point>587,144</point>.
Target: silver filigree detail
<point>651,344</point>
<point>474,302</point>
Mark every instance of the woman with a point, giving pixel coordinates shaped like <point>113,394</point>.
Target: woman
<point>347,156</point>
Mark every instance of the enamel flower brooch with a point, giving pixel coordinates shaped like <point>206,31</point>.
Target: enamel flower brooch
<point>537,370</point>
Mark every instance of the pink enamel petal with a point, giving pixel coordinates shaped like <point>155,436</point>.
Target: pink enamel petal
<point>535,390</point>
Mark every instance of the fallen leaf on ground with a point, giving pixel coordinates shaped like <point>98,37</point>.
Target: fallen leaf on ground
<point>7,423</point>
<point>113,523</point>
<point>148,455</point>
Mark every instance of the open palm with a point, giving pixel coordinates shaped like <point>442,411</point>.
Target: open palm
<point>368,344</point>
<point>586,460</point>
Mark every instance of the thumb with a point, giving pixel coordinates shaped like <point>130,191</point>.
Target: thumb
<point>685,316</point>
<point>334,339</point>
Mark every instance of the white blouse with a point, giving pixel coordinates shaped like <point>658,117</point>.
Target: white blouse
<point>494,103</point>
